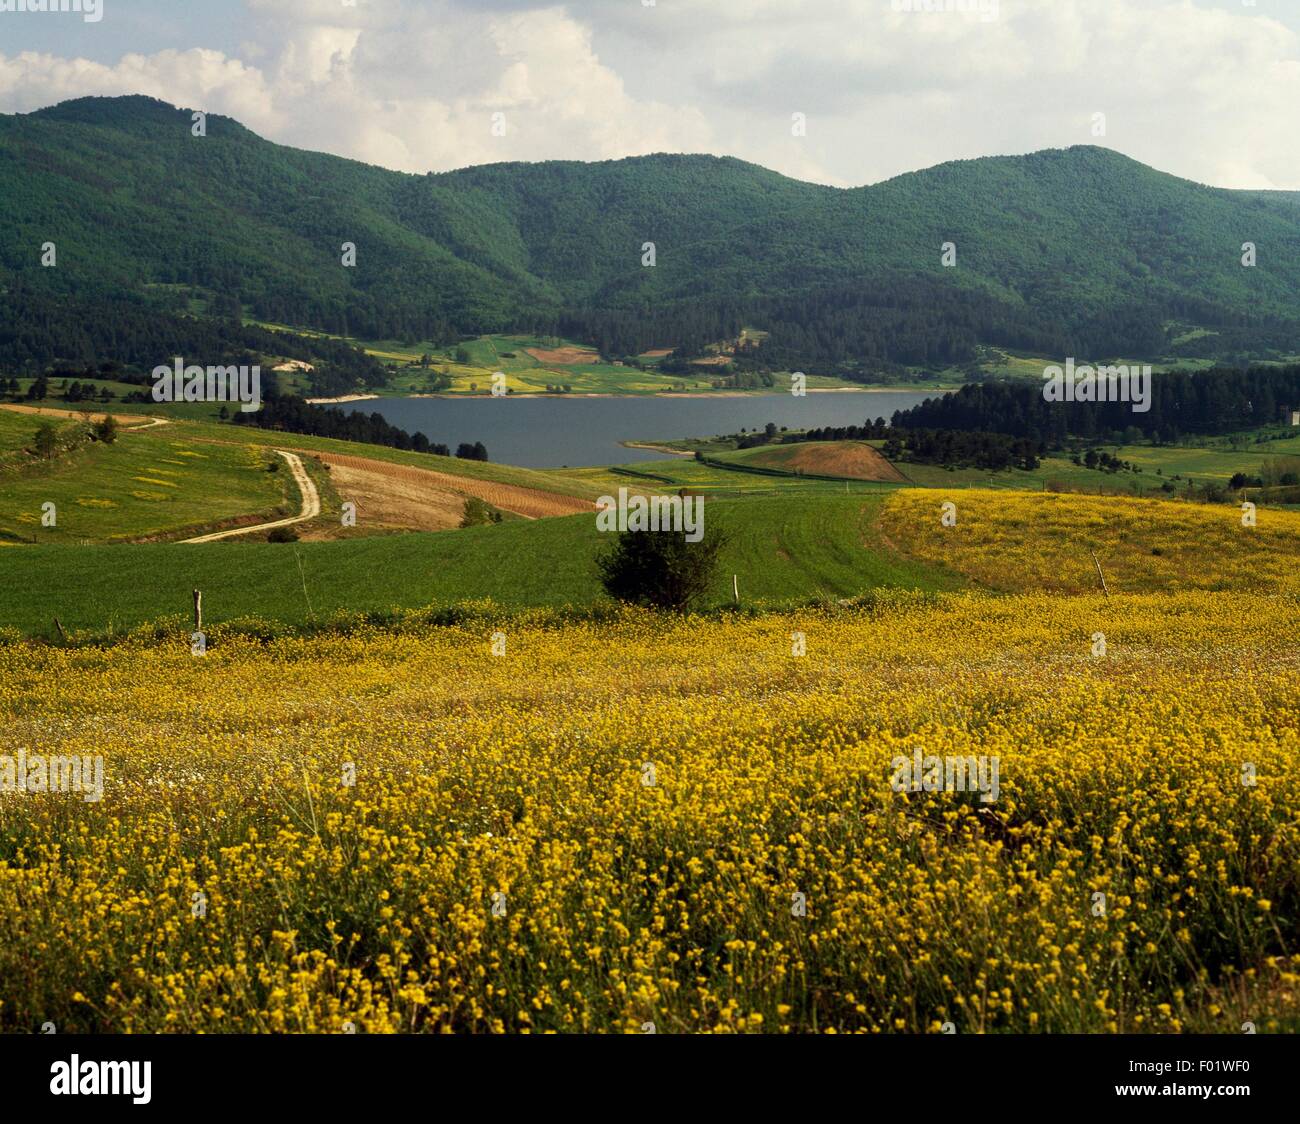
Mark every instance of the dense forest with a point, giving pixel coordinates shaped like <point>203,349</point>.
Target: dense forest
<point>124,337</point>
<point>1203,402</point>
<point>1080,251</point>
<point>1005,425</point>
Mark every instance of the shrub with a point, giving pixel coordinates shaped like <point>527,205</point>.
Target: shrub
<point>479,513</point>
<point>106,429</point>
<point>47,440</point>
<point>660,569</point>
<point>282,534</point>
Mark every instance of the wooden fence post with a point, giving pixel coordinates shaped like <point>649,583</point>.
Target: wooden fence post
<point>1100,574</point>
<point>198,611</point>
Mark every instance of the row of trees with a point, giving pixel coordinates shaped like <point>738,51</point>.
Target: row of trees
<point>955,449</point>
<point>294,415</point>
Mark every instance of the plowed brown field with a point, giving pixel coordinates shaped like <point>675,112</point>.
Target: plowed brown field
<point>563,356</point>
<point>531,503</point>
<point>850,459</point>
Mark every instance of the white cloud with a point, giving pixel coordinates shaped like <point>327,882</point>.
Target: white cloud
<point>192,77</point>
<point>1208,93</point>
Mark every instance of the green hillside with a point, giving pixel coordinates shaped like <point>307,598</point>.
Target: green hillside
<point>1075,249</point>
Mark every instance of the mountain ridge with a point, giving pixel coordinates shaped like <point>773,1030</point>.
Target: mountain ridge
<point>1081,247</point>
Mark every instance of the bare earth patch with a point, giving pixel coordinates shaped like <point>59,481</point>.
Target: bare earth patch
<point>563,356</point>
<point>850,459</point>
<point>393,503</point>
<point>531,503</point>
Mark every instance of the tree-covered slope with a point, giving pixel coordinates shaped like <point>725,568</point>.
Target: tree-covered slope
<point>1081,249</point>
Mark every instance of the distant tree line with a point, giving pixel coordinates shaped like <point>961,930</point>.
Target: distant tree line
<point>883,325</point>
<point>1219,400</point>
<point>950,448</point>
<point>854,331</point>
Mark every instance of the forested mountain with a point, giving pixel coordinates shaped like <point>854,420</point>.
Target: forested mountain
<point>1080,251</point>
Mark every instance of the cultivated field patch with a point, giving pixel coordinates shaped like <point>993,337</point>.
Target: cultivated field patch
<point>855,460</point>
<point>528,502</point>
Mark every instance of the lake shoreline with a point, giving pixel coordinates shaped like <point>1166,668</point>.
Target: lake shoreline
<point>652,447</point>
<point>700,394</point>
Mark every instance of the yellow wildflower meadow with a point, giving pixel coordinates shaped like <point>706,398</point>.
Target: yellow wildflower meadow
<point>635,823</point>
<point>1044,541</point>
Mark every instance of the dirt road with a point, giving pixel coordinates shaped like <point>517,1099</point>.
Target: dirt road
<point>310,505</point>
<point>128,422</point>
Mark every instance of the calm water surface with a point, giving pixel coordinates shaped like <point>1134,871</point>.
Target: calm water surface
<point>578,432</point>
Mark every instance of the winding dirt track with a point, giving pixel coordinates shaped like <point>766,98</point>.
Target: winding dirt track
<point>310,505</point>
<point>128,422</point>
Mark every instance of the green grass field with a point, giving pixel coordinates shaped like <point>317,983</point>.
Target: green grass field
<point>153,482</point>
<point>711,480</point>
<point>784,550</point>
<point>16,433</point>
<point>562,482</point>
<point>792,538</point>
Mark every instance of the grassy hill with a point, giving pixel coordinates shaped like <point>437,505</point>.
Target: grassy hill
<point>177,478</point>
<point>785,549</point>
<point>852,460</point>
<point>1118,251</point>
<point>156,481</point>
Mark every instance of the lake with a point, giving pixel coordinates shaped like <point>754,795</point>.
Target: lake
<point>579,432</point>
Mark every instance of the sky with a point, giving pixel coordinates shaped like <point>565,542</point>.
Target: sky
<point>1205,89</point>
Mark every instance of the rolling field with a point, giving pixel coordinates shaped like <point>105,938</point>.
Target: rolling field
<point>357,808</point>
<point>646,824</point>
<point>531,503</point>
<point>16,434</point>
<point>854,460</point>
<point>714,479</point>
<point>783,550</point>
<point>786,549</point>
<point>154,482</point>
<point>560,482</point>
<point>195,411</point>
<point>176,477</point>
